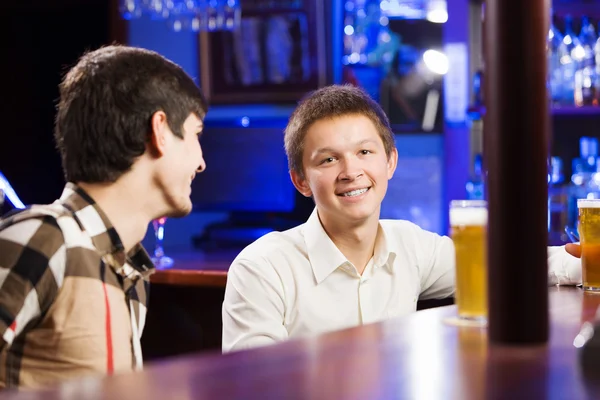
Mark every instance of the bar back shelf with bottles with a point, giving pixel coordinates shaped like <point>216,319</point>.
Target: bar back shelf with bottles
<point>574,81</point>
<point>573,53</point>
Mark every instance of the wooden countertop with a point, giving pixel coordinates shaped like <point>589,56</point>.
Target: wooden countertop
<point>195,268</point>
<point>415,357</point>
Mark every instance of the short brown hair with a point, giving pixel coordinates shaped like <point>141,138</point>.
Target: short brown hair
<point>327,103</point>
<point>106,105</point>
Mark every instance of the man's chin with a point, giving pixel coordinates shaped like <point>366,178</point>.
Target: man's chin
<point>181,211</point>
<point>361,214</point>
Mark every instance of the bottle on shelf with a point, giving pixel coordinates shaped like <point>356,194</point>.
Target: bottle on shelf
<point>597,68</point>
<point>585,90</point>
<point>570,54</point>
<point>573,62</point>
<point>555,73</point>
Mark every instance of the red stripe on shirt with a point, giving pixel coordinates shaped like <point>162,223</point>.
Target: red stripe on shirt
<point>109,347</point>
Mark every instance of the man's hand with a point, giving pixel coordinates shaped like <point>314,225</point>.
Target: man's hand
<point>573,249</point>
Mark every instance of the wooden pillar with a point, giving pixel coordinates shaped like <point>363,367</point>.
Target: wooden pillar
<point>516,141</point>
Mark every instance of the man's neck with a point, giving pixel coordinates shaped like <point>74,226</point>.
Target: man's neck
<point>356,242</point>
<point>122,203</point>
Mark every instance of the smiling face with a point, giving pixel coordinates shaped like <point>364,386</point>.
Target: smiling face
<point>346,169</point>
<point>182,159</point>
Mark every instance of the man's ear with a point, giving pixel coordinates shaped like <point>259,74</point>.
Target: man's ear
<point>158,134</point>
<point>301,184</point>
<point>392,163</point>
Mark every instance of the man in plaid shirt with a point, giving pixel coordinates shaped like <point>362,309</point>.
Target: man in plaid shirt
<point>73,274</point>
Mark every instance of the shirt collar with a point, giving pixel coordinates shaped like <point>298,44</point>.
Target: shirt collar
<point>325,257</point>
<point>383,256</point>
<point>104,236</point>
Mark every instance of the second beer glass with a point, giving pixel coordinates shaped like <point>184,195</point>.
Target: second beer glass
<point>589,232</point>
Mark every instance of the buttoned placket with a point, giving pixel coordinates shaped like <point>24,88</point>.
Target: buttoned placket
<point>128,281</point>
<point>364,290</point>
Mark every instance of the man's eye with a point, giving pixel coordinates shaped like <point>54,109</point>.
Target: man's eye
<point>365,151</point>
<point>327,160</point>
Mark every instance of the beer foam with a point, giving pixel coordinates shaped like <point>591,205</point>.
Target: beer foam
<point>588,203</point>
<point>469,216</point>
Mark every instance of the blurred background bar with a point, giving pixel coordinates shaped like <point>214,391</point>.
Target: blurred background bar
<point>422,60</point>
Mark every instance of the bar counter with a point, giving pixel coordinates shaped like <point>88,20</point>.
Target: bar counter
<point>414,357</point>
<point>185,305</point>
<point>196,268</point>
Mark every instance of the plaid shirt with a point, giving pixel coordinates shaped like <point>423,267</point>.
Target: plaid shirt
<point>72,302</point>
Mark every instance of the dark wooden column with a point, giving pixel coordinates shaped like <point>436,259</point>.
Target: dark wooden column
<point>516,132</point>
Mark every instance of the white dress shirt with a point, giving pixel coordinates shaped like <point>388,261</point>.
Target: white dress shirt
<point>298,283</point>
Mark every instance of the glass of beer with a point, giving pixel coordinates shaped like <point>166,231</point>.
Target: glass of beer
<point>589,234</point>
<point>468,229</point>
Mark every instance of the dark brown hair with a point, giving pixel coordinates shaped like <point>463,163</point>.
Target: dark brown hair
<point>106,104</point>
<point>331,102</point>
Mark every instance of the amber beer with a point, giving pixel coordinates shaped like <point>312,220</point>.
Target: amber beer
<point>468,224</point>
<point>589,233</point>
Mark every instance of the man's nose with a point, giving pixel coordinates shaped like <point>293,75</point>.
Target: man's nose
<point>351,170</point>
<point>202,166</point>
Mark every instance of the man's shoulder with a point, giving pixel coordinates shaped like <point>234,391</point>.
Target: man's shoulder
<point>31,238</point>
<point>40,226</point>
<point>32,218</point>
<point>46,212</point>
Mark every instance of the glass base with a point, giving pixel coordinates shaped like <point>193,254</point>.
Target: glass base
<point>163,262</point>
<point>474,322</point>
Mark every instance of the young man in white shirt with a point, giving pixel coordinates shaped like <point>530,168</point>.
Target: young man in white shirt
<point>344,266</point>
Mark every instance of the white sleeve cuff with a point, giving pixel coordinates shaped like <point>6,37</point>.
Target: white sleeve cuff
<point>563,268</point>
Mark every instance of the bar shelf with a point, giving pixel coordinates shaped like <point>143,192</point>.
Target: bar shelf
<point>575,111</point>
<point>477,112</point>
<point>576,8</point>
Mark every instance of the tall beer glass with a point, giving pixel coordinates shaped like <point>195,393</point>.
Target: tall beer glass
<point>468,225</point>
<point>589,233</point>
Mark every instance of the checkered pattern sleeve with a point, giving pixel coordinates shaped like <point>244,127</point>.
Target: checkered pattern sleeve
<point>32,267</point>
